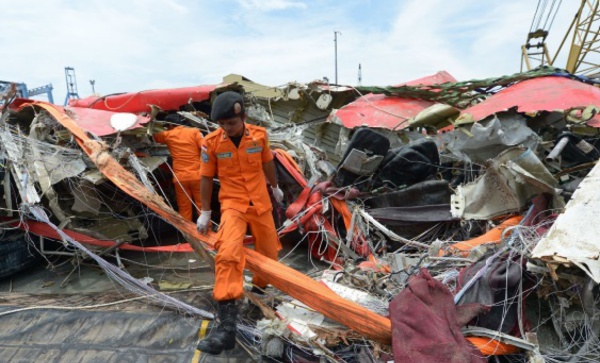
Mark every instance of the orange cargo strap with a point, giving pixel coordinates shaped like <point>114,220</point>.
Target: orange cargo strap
<point>494,235</point>
<point>489,346</point>
<point>44,230</point>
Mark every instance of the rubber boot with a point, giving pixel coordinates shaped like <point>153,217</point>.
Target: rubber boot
<point>222,337</point>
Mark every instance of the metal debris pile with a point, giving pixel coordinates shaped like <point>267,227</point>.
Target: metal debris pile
<point>460,211</point>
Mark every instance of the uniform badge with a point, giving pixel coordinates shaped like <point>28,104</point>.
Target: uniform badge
<point>224,156</point>
<point>254,150</point>
<point>205,158</point>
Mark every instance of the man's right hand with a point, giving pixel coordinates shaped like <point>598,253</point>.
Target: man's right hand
<point>203,221</point>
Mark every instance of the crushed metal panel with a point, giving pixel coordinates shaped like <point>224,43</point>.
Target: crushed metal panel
<point>99,122</point>
<point>537,94</point>
<point>136,102</point>
<point>320,134</point>
<point>487,139</point>
<point>377,110</point>
<point>574,235</point>
<point>22,176</point>
<point>380,111</point>
<point>253,88</point>
<point>509,182</point>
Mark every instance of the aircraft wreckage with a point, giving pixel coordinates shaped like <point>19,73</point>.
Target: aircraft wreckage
<point>431,221</point>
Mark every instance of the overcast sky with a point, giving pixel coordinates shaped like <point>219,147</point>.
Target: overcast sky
<point>134,45</point>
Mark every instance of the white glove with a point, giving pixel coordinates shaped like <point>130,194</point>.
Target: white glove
<point>203,221</point>
<point>278,194</point>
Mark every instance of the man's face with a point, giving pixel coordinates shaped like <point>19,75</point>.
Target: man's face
<point>233,127</point>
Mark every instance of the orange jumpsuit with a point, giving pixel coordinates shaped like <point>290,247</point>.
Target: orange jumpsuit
<point>184,144</point>
<point>244,201</point>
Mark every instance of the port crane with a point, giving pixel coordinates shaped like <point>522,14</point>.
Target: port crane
<point>581,41</point>
<point>24,92</point>
<point>71,85</point>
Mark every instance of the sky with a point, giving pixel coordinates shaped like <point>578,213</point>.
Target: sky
<point>136,45</point>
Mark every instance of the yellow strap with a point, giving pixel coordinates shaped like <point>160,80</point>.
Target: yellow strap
<point>201,334</point>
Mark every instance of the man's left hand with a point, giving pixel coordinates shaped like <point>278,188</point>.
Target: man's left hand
<point>278,194</point>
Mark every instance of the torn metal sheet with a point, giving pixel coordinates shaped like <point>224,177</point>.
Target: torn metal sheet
<point>301,108</point>
<point>538,94</point>
<point>574,236</point>
<point>98,122</point>
<point>380,111</point>
<point>509,181</point>
<point>486,140</point>
<point>394,113</point>
<point>166,99</point>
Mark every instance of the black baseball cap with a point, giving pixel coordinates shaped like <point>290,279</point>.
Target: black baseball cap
<point>224,106</point>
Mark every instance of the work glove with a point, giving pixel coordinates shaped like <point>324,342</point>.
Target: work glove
<point>203,221</point>
<point>278,194</point>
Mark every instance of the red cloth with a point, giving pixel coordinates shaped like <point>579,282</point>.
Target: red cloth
<point>426,326</point>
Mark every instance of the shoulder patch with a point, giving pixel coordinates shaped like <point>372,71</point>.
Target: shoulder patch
<point>259,129</point>
<point>205,157</point>
<point>212,135</point>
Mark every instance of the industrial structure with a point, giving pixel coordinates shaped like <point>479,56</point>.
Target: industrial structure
<point>581,39</point>
<point>71,85</point>
<point>24,92</point>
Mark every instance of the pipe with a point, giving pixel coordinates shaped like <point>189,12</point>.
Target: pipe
<point>558,148</point>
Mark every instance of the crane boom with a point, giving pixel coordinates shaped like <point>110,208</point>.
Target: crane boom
<point>583,53</point>
<point>582,39</point>
<point>534,52</point>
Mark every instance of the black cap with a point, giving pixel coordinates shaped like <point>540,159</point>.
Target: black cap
<point>224,106</point>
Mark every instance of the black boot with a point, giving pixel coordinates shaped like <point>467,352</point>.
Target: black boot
<point>222,337</point>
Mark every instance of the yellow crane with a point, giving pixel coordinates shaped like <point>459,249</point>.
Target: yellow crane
<point>582,38</point>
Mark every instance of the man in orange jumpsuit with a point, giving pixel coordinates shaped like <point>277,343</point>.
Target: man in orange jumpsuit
<point>184,144</point>
<point>239,154</point>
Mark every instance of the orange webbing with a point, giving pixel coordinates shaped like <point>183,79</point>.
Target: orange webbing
<point>494,235</point>
<point>360,245</point>
<point>288,280</point>
<point>44,230</point>
<point>489,346</point>
<point>290,165</point>
<point>289,158</point>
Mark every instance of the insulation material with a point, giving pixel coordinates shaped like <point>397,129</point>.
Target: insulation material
<point>299,317</point>
<point>360,297</point>
<point>574,237</point>
<point>509,181</point>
